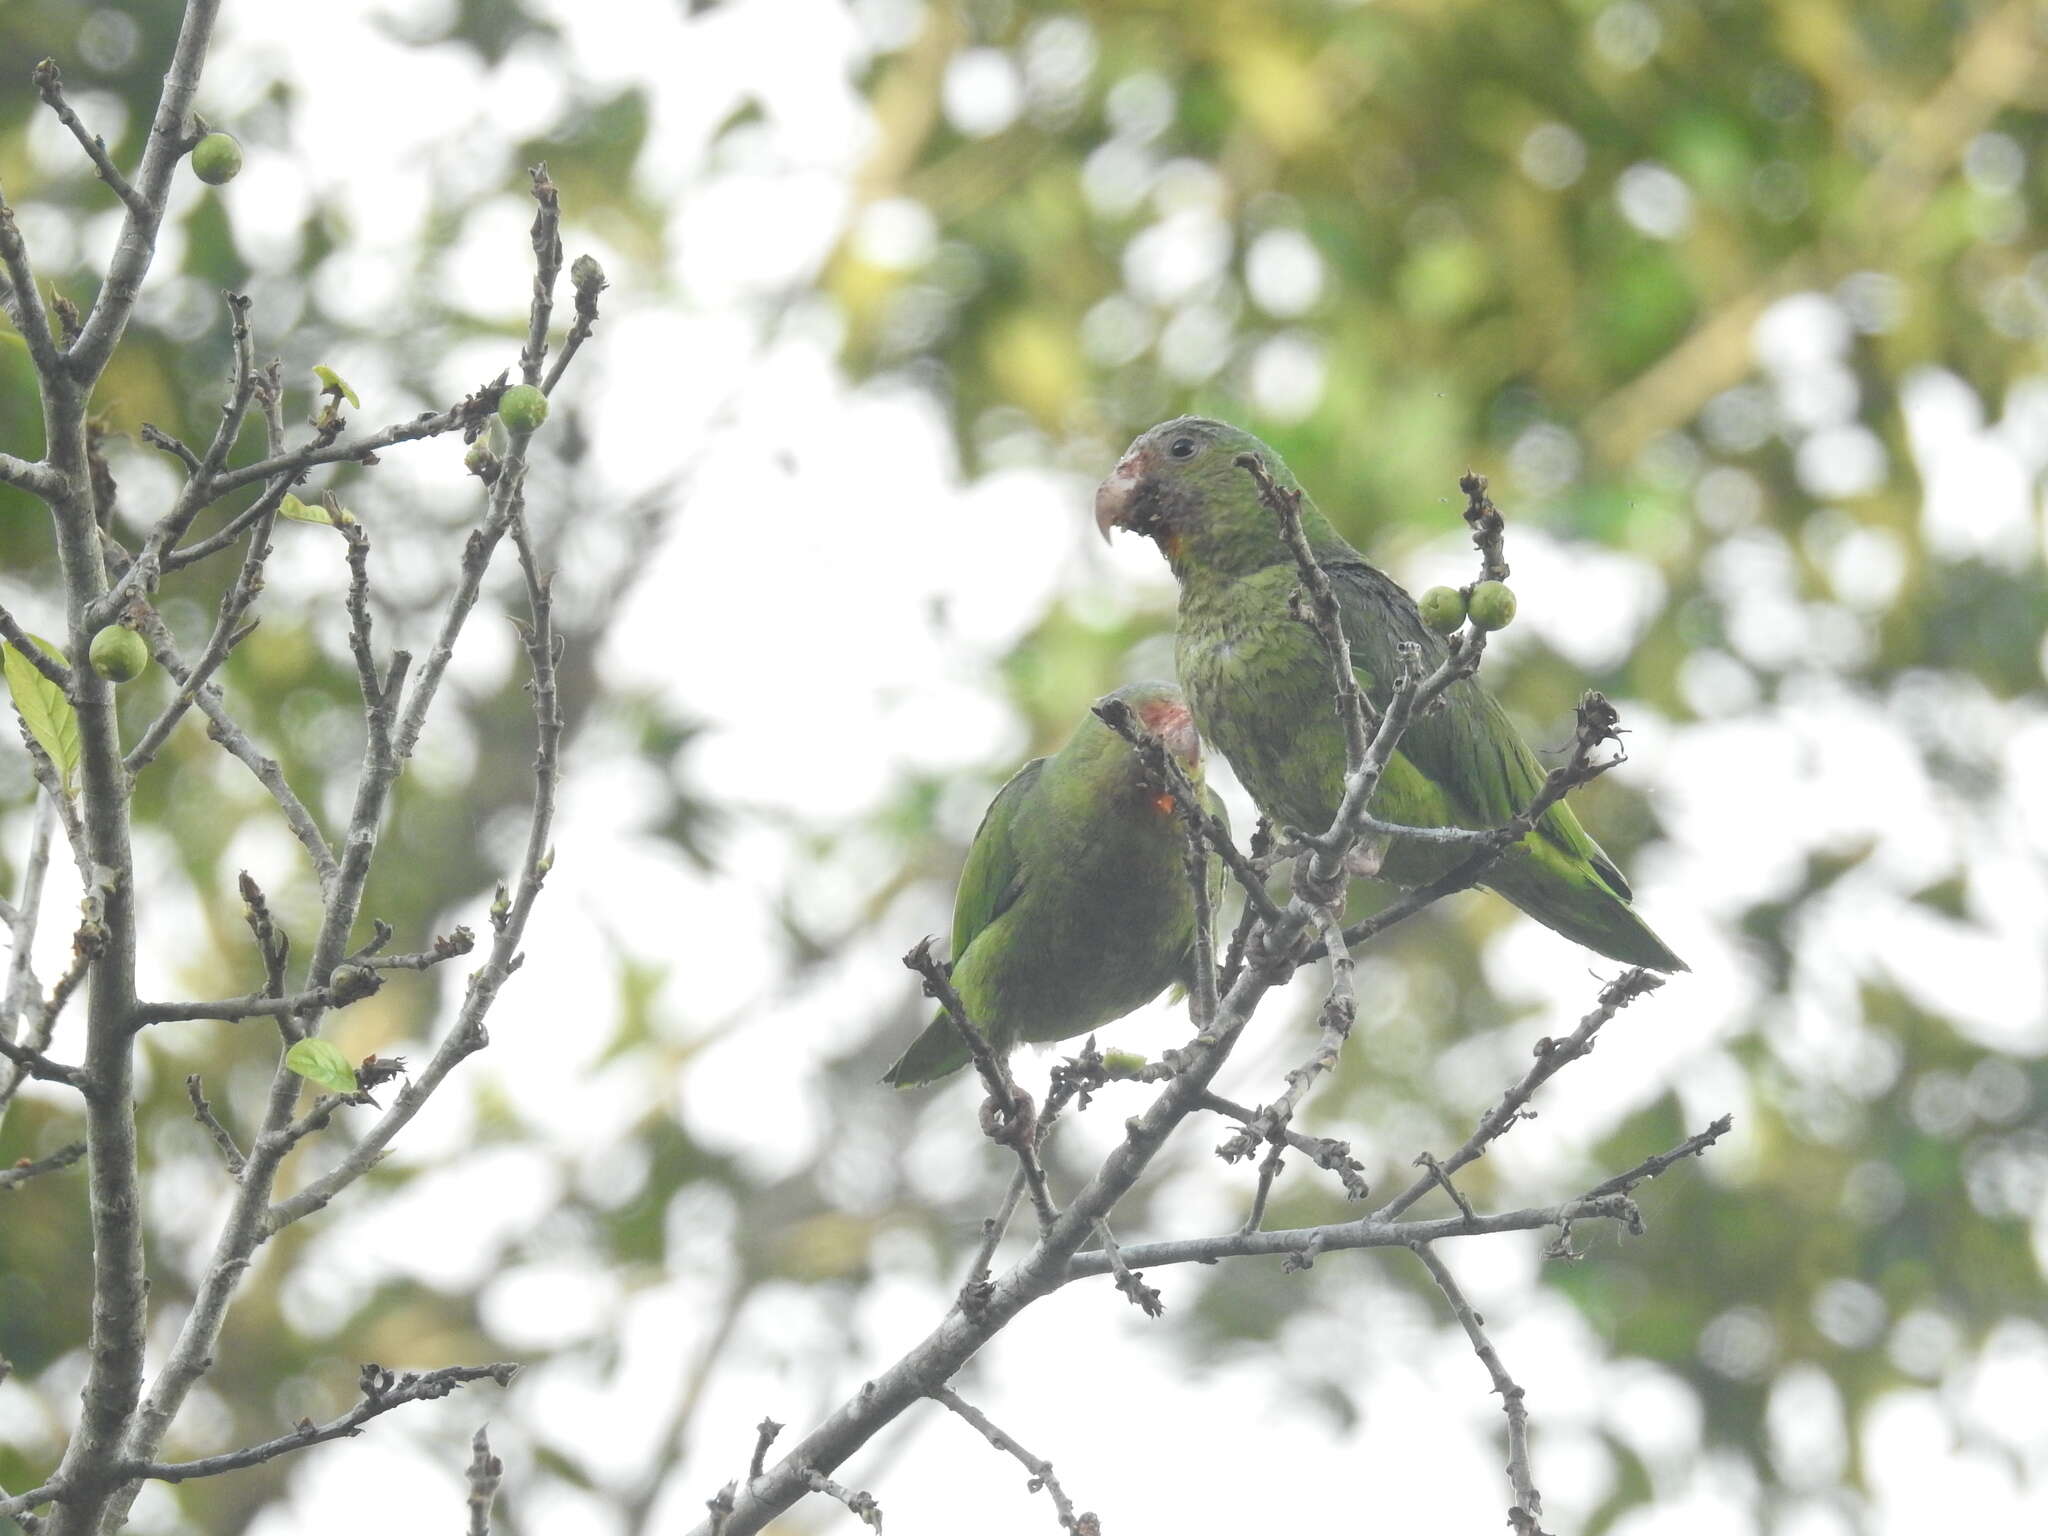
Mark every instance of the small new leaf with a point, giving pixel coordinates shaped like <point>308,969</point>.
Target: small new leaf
<point>332,383</point>
<point>321,1063</point>
<point>333,516</point>
<point>44,710</point>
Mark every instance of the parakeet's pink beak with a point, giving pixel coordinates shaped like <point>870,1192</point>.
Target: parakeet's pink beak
<point>1113,496</point>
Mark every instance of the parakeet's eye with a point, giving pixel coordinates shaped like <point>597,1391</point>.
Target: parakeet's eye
<point>1182,448</point>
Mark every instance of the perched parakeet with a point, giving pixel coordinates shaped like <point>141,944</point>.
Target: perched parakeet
<point>1259,684</point>
<point>1073,907</point>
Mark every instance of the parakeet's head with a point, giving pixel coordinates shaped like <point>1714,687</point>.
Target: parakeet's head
<point>1181,486</point>
<point>1162,710</point>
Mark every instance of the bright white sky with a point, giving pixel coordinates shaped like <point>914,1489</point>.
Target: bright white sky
<point>863,482</point>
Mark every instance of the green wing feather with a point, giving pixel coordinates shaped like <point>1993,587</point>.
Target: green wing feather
<point>1465,764</point>
<point>993,875</point>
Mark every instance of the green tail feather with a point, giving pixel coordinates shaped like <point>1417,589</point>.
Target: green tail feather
<point>1569,897</point>
<point>936,1053</point>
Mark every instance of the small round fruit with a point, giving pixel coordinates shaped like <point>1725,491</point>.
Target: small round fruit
<point>1493,605</point>
<point>1443,609</point>
<point>217,158</point>
<point>523,408</point>
<point>118,654</point>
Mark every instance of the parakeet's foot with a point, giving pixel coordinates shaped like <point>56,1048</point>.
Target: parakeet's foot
<point>1365,858</point>
<point>1012,1127</point>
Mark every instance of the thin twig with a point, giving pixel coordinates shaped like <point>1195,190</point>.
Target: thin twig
<point>858,1501</point>
<point>547,266</point>
<point>486,1471</point>
<point>382,1391</point>
<point>26,1169</point>
<point>1552,1056</point>
<point>1128,1281</point>
<point>40,659</point>
<point>224,1143</point>
<point>1325,1152</point>
<point>1650,1167</point>
<point>1320,611</point>
<point>50,85</point>
<point>1039,1468</point>
<point>1009,1118</point>
<point>1528,1505</point>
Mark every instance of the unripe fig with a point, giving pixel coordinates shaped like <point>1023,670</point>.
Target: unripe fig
<point>118,654</point>
<point>523,408</point>
<point>1492,605</point>
<point>1443,609</point>
<point>217,158</point>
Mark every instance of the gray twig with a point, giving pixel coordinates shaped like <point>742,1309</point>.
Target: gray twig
<point>50,86</point>
<point>26,1169</point>
<point>486,1471</point>
<point>1528,1505</point>
<point>858,1501</point>
<point>1009,1118</point>
<point>223,1143</point>
<point>382,1391</point>
<point>1552,1056</point>
<point>1039,1468</point>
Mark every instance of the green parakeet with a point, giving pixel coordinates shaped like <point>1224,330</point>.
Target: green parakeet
<point>1073,907</point>
<point>1259,684</point>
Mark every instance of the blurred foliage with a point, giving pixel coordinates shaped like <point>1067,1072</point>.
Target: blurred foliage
<point>1671,270</point>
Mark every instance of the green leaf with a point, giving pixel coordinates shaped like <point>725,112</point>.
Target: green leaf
<point>332,383</point>
<point>332,515</point>
<point>44,710</point>
<point>321,1063</point>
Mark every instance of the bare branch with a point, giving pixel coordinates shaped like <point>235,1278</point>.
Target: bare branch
<point>1009,1117</point>
<point>33,1063</point>
<point>23,991</point>
<point>382,1392</point>
<point>40,659</point>
<point>228,632</point>
<point>1336,1237</point>
<point>36,479</point>
<point>587,278</point>
<point>547,266</point>
<point>1039,1468</point>
<point>223,1143</point>
<point>1324,1152</point>
<point>26,1169</point>
<point>167,145</point>
<point>25,302</point>
<point>1487,525</point>
<point>1528,1505</point>
<point>50,85</point>
<point>859,1502</point>
<point>1128,1281</point>
<point>1650,1167</point>
<point>486,1471</point>
<point>228,733</point>
<point>1552,1056</point>
<point>349,984</point>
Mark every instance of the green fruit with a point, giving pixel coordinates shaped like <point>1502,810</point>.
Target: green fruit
<point>216,158</point>
<point>1493,605</point>
<point>1443,609</point>
<point>523,408</point>
<point>118,654</point>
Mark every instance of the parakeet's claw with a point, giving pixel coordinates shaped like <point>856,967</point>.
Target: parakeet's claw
<point>1011,1127</point>
<point>1365,858</point>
